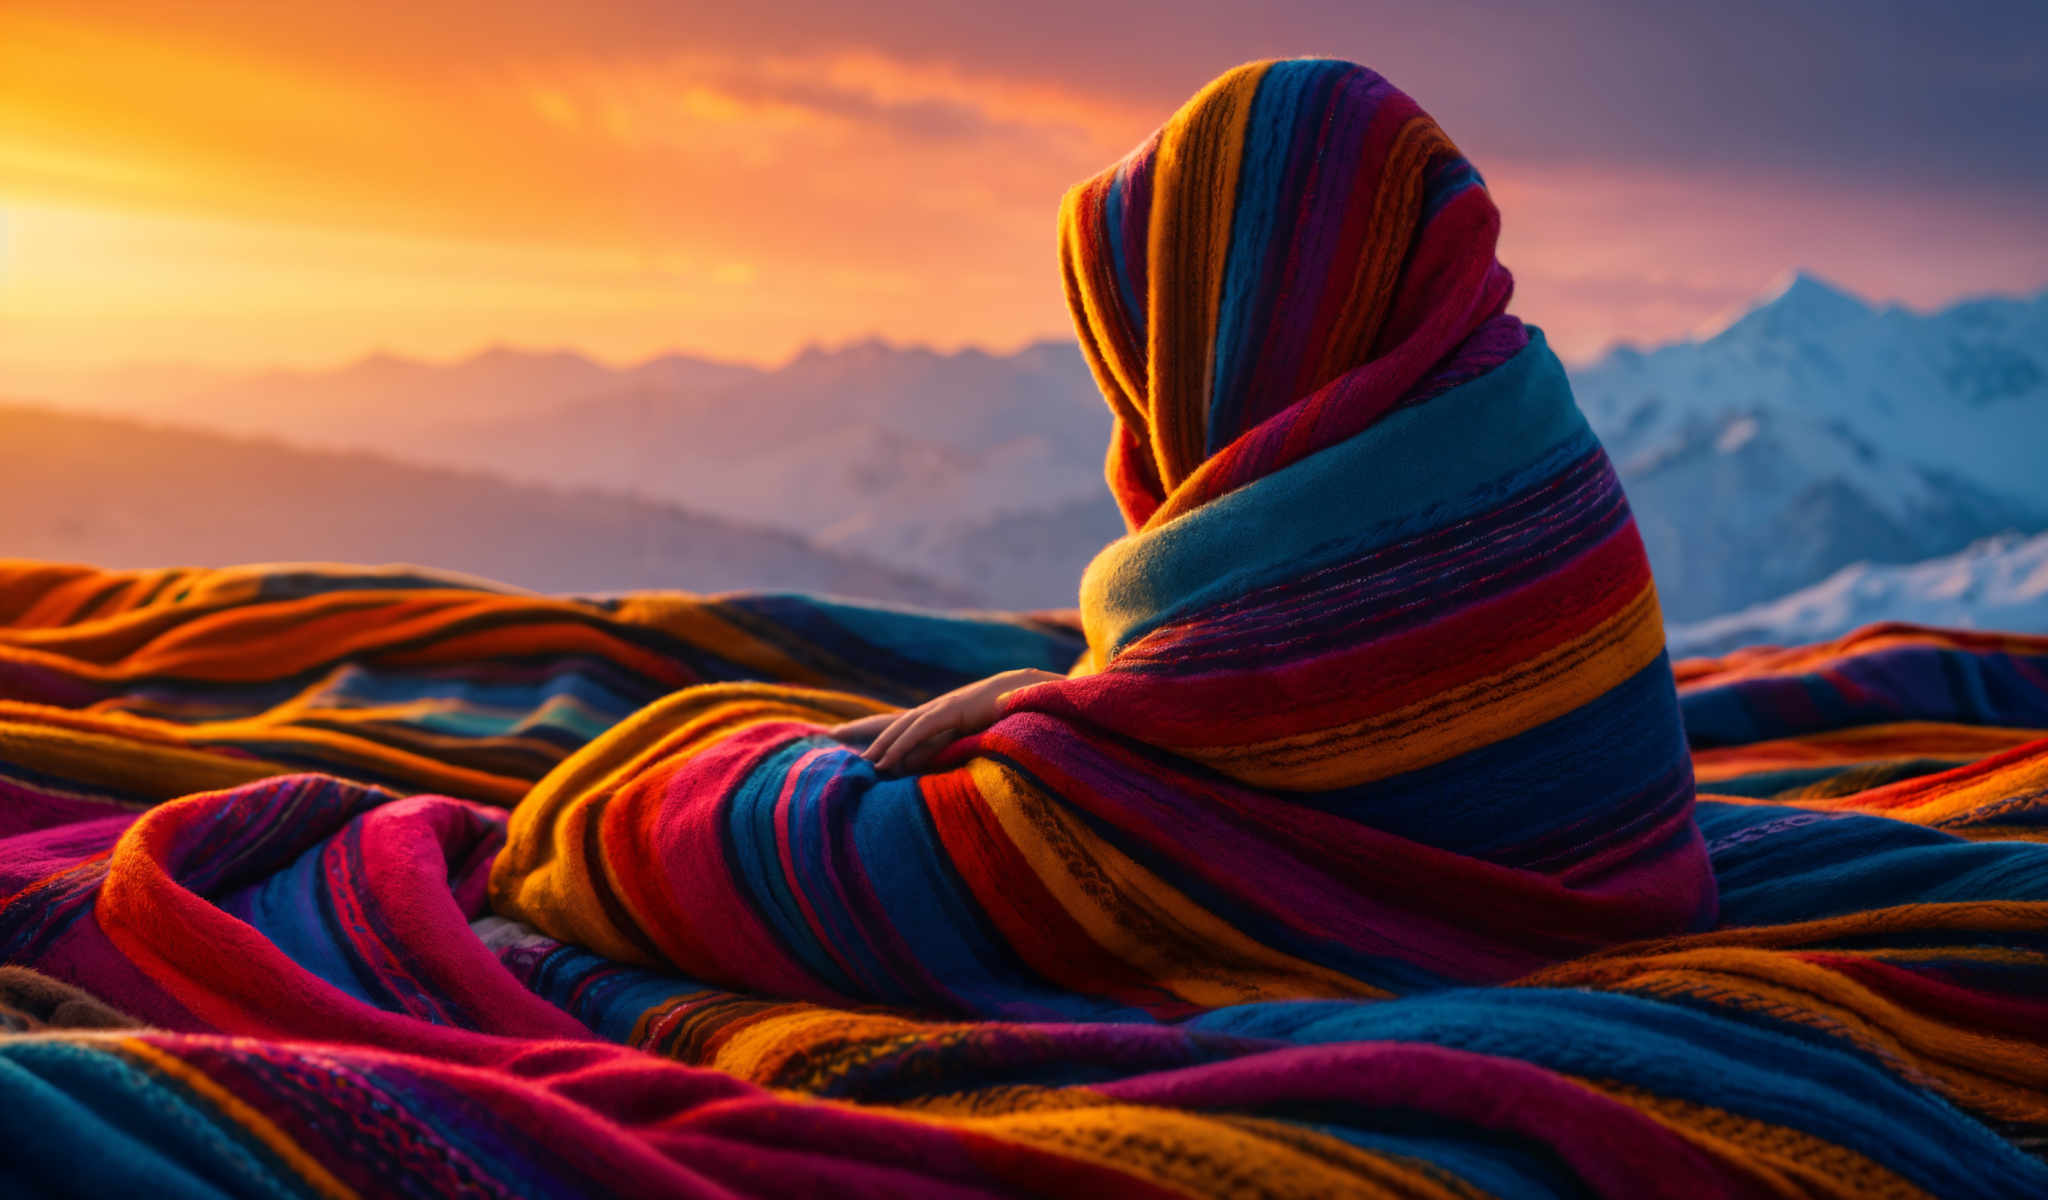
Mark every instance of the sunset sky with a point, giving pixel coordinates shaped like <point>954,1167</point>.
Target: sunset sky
<point>249,183</point>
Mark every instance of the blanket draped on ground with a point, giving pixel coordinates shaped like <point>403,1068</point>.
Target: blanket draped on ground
<point>334,1009</point>
<point>1222,813</point>
<point>1358,853</point>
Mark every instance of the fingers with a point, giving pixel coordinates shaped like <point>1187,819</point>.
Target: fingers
<point>1017,681</point>
<point>924,752</point>
<point>909,739</point>
<point>911,730</point>
<point>894,730</point>
<point>863,729</point>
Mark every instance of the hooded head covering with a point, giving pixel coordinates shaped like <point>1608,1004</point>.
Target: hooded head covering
<point>1299,250</point>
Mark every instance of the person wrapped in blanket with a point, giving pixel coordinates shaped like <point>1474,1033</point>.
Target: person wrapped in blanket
<point>1375,696</point>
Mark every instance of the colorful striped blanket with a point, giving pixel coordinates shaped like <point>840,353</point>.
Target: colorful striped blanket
<point>332,1006</point>
<point>1368,843</point>
<point>1227,810</point>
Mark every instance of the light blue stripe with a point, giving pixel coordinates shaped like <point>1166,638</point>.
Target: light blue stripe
<point>1418,469</point>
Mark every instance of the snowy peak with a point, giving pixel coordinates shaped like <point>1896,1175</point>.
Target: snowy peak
<point>2000,582</point>
<point>860,354</point>
<point>1817,430</point>
<point>1804,296</point>
<point>1813,430</point>
<point>1800,304</point>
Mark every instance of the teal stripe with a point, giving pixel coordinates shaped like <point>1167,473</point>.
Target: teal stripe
<point>1418,469</point>
<point>83,1119</point>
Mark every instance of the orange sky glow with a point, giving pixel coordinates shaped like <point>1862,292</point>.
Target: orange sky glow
<point>256,189</point>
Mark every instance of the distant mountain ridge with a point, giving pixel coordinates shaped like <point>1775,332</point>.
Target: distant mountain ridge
<point>117,493</point>
<point>882,451</point>
<point>1998,583</point>
<point>1811,431</point>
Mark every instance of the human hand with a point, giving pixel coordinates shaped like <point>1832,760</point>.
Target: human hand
<point>906,740</point>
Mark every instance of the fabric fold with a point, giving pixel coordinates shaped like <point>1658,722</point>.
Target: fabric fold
<point>1375,697</point>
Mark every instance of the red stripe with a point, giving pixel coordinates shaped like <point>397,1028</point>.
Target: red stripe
<point>1248,705</point>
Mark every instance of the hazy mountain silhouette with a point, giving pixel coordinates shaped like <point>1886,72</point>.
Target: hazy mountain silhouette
<point>1813,430</point>
<point>117,493</point>
<point>892,453</point>
<point>1998,583</point>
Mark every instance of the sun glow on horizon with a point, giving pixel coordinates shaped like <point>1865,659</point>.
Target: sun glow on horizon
<point>294,191</point>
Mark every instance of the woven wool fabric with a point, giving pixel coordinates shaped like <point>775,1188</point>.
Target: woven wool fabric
<point>1359,854</point>
<point>333,1008</point>
<point>1385,706</point>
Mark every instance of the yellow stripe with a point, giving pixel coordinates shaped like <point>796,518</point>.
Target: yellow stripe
<point>117,763</point>
<point>163,1063</point>
<point>1402,1176</point>
<point>1160,932</point>
<point>1789,1162</point>
<point>1107,340</point>
<point>696,622</point>
<point>1871,743</point>
<point>805,1047</point>
<point>1982,1072</point>
<point>1397,210</point>
<point>1185,278</point>
<point>1196,1155</point>
<point>1969,916</point>
<point>543,876</point>
<point>1457,721</point>
<point>2027,776</point>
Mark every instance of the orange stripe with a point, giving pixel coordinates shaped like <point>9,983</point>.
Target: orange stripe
<point>1787,1161</point>
<point>319,1178</point>
<point>1870,743</point>
<point>1757,661</point>
<point>1185,281</point>
<point>1458,721</point>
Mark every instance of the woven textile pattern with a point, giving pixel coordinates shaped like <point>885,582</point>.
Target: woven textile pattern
<point>1369,842</point>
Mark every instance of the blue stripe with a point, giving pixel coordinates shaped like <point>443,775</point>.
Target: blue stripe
<point>1419,468</point>
<point>822,805</point>
<point>1269,136</point>
<point>1482,802</point>
<point>1119,262</point>
<point>757,863</point>
<point>1812,1083</point>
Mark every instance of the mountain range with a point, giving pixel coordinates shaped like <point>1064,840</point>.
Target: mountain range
<point>1815,430</point>
<point>118,493</point>
<point>1810,431</point>
<point>1998,583</point>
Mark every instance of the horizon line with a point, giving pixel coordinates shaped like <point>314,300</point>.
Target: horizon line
<point>823,346</point>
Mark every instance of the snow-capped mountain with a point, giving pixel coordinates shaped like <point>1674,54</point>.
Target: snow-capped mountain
<point>1998,583</point>
<point>1815,430</point>
<point>892,453</point>
<point>870,448</point>
<point>376,403</point>
<point>1806,433</point>
<point>114,492</point>
<point>1811,431</point>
